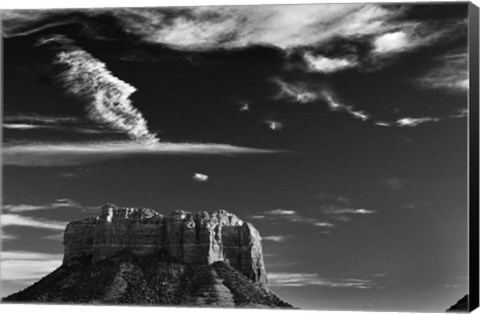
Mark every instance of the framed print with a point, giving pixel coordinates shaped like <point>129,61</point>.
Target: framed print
<point>318,156</point>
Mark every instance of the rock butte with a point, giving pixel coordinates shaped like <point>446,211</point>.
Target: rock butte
<point>192,238</point>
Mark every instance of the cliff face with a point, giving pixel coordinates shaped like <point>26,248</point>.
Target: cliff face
<point>138,256</point>
<point>191,238</point>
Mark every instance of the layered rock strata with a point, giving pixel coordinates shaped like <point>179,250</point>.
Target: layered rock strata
<point>191,238</point>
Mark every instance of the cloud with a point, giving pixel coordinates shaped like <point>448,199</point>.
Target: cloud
<point>281,212</point>
<point>412,122</point>
<point>239,26</point>
<point>59,203</point>
<point>450,73</point>
<point>27,267</point>
<point>274,125</point>
<point>461,113</point>
<point>327,65</point>
<point>200,177</point>
<point>335,105</point>
<point>295,92</point>
<point>106,96</point>
<point>276,238</point>
<point>244,107</point>
<point>312,279</point>
<point>40,119</point>
<point>391,42</point>
<point>23,221</point>
<point>323,224</point>
<point>343,211</point>
<point>66,154</point>
<point>290,216</point>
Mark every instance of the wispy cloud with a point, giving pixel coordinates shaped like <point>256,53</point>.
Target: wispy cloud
<point>26,267</point>
<point>451,73</point>
<point>295,92</point>
<point>412,122</point>
<point>327,65</point>
<point>290,216</point>
<point>408,122</point>
<point>8,219</point>
<point>312,279</point>
<point>63,154</point>
<point>335,105</point>
<point>349,211</point>
<point>106,96</point>
<point>276,238</point>
<point>280,211</point>
<point>59,203</point>
<point>40,119</point>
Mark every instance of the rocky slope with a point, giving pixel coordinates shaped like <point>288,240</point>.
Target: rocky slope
<point>138,256</point>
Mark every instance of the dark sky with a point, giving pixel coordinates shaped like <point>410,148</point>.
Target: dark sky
<point>339,131</point>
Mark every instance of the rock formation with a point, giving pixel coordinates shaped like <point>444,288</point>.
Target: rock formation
<point>138,256</point>
<point>192,238</point>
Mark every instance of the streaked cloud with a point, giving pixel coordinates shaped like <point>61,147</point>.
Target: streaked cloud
<point>276,238</point>
<point>38,119</point>
<point>199,177</point>
<point>349,211</point>
<point>8,219</point>
<point>461,113</point>
<point>27,267</point>
<point>451,73</point>
<point>412,122</point>
<point>327,65</point>
<point>280,211</point>
<point>291,216</point>
<point>106,96</point>
<point>63,154</point>
<point>295,92</point>
<point>59,203</point>
<point>335,105</point>
<point>311,279</point>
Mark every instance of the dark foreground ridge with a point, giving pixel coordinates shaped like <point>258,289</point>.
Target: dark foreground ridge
<point>138,256</point>
<point>461,306</point>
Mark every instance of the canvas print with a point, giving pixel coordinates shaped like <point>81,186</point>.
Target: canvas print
<point>307,156</point>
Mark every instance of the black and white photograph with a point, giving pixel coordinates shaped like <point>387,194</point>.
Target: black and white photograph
<point>272,156</point>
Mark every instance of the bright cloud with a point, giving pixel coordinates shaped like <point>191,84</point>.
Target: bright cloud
<point>281,212</point>
<point>335,105</point>
<point>391,42</point>
<point>327,65</point>
<point>8,219</point>
<point>59,203</point>
<point>412,122</point>
<point>274,125</point>
<point>61,154</point>
<point>312,279</point>
<point>106,96</point>
<point>276,238</point>
<point>200,177</point>
<point>342,211</point>
<point>295,92</point>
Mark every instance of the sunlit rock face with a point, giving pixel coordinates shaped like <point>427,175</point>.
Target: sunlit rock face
<point>192,238</point>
